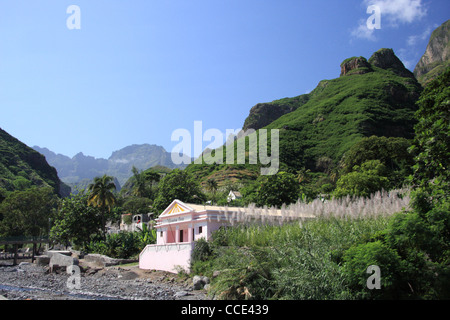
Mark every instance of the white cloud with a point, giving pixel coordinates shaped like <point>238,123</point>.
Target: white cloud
<point>393,12</point>
<point>399,11</point>
<point>362,32</point>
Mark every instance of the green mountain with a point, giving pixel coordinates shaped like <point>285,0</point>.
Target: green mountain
<point>22,167</point>
<point>436,57</point>
<point>81,169</point>
<point>371,97</point>
<point>374,97</point>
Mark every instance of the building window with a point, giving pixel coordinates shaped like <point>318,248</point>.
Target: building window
<point>200,229</point>
<point>161,234</point>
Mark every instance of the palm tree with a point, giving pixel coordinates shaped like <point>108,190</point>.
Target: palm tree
<point>102,196</point>
<point>212,186</point>
<point>139,188</point>
<point>143,182</point>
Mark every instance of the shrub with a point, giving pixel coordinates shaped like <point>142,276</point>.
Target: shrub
<point>358,258</point>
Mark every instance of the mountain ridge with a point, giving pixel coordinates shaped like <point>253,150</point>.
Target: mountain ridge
<point>80,168</point>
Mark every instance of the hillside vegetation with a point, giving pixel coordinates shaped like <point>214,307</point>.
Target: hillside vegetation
<point>374,97</point>
<point>21,167</point>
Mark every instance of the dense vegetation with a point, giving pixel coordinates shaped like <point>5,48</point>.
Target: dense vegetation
<point>374,99</point>
<point>21,168</point>
<point>339,145</point>
<point>328,257</point>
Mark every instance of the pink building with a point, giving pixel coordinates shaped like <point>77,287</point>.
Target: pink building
<point>181,224</point>
<point>177,228</point>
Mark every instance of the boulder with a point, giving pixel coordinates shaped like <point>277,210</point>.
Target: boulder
<point>50,253</point>
<point>43,260</point>
<point>199,282</point>
<point>105,261</point>
<point>58,260</point>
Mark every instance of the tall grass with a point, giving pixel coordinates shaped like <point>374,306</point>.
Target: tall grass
<point>294,252</point>
<point>382,203</point>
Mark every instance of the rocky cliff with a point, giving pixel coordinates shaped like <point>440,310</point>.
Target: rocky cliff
<point>436,57</point>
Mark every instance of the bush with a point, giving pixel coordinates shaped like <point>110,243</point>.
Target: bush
<point>358,258</point>
<point>122,245</point>
<point>363,181</point>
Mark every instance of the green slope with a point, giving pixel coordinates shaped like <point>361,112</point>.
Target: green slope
<point>22,167</point>
<point>346,109</point>
<point>371,97</point>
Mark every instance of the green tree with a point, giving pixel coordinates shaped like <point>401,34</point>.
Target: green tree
<point>179,185</point>
<point>431,145</point>
<point>101,195</point>
<point>392,152</point>
<point>77,222</point>
<point>276,190</point>
<point>136,205</point>
<point>27,213</point>
<point>140,185</point>
<point>363,180</point>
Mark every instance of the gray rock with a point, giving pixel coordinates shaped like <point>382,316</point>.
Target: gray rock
<point>43,260</point>
<point>60,260</point>
<point>199,282</point>
<point>105,261</point>
<point>205,279</point>
<point>50,253</point>
<point>181,294</point>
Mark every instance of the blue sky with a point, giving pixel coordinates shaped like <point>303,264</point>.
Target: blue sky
<point>137,70</point>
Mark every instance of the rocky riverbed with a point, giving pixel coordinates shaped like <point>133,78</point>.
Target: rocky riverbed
<point>30,281</point>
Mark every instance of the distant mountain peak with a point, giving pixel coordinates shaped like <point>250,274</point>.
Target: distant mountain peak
<point>82,167</point>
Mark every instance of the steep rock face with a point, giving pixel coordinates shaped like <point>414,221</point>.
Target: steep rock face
<point>436,57</point>
<point>22,167</point>
<point>387,60</point>
<point>355,65</point>
<point>263,114</point>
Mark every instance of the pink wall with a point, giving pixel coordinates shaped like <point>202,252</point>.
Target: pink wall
<point>166,257</point>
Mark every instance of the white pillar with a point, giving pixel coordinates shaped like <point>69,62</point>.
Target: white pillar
<point>190,234</point>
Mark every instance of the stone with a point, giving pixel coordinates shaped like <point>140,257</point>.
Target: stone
<point>50,253</point>
<point>61,261</point>
<point>43,260</point>
<point>205,280</point>
<point>105,261</point>
<point>199,282</point>
<point>181,294</point>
